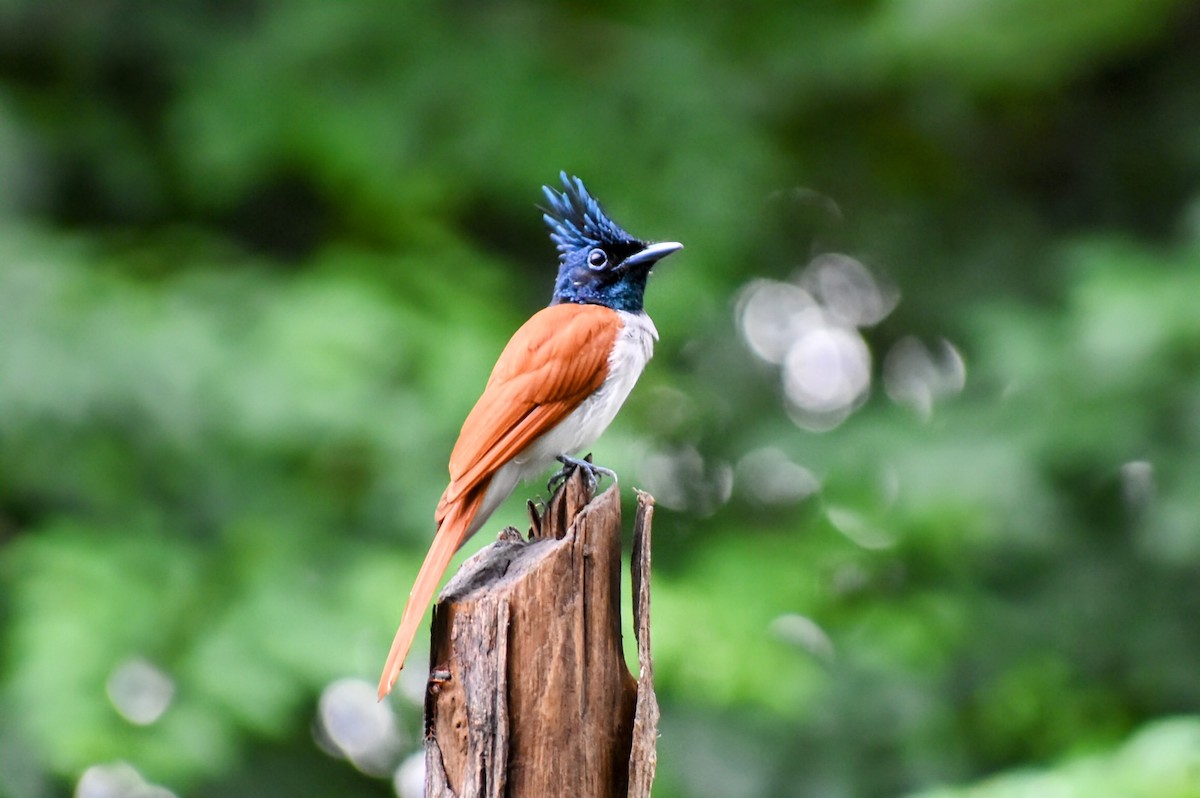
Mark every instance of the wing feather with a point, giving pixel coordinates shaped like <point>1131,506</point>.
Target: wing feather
<point>556,360</point>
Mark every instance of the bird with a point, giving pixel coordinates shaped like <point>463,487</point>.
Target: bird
<point>555,388</point>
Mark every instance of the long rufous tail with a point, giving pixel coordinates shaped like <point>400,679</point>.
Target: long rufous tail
<point>453,531</point>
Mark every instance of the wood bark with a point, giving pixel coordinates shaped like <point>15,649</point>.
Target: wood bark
<point>528,693</point>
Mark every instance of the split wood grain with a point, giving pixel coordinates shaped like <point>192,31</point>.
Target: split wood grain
<point>529,694</point>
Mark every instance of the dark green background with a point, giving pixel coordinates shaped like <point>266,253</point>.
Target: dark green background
<point>256,259</point>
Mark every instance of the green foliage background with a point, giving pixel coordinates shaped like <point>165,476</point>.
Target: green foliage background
<point>256,259</point>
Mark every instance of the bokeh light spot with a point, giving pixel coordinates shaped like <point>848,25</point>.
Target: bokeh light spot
<point>804,633</point>
<point>826,375</point>
<point>858,529</point>
<point>353,723</point>
<point>409,779</point>
<point>917,377</point>
<point>117,780</point>
<point>810,327</point>
<point>680,479</point>
<point>140,691</point>
<point>773,314</point>
<point>1137,483</point>
<point>848,291</point>
<point>412,682</point>
<point>768,477</point>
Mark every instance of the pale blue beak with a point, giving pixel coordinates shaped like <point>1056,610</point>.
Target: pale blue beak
<point>652,254</point>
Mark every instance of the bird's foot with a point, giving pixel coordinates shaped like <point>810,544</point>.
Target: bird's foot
<point>592,471</point>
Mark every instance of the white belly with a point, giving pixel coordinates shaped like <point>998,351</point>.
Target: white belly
<point>631,351</point>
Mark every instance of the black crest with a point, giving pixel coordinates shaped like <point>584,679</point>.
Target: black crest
<point>577,221</point>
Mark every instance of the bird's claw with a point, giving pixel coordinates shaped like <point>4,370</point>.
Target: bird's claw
<point>592,471</point>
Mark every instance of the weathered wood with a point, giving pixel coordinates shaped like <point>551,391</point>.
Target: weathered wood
<point>643,756</point>
<point>528,693</point>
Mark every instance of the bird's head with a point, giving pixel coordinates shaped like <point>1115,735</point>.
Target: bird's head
<point>598,262</point>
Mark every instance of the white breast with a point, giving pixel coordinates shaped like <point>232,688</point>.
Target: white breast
<point>631,351</point>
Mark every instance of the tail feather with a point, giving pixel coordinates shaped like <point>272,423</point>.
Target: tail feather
<point>454,528</point>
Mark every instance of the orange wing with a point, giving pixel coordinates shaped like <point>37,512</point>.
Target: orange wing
<point>556,360</point>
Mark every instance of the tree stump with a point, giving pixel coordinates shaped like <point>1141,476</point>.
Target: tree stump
<point>528,694</point>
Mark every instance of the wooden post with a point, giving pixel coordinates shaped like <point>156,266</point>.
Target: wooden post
<point>528,693</point>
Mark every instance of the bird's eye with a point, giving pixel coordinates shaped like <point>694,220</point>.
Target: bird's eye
<point>597,258</point>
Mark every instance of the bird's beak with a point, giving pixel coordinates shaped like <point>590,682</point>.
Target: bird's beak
<point>652,254</point>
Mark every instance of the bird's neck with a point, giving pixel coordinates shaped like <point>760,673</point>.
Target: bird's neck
<point>627,295</point>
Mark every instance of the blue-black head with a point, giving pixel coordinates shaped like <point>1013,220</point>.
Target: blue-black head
<point>598,262</point>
